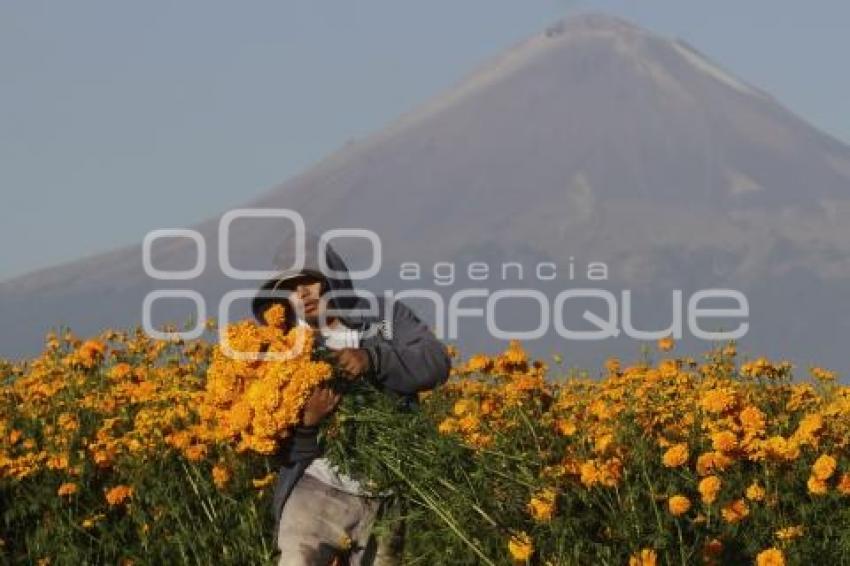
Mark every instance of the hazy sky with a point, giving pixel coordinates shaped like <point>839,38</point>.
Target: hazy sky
<point>120,117</point>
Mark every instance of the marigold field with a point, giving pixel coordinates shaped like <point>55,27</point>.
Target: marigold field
<point>121,449</point>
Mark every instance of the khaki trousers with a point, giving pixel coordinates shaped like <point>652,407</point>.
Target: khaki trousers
<point>319,523</point>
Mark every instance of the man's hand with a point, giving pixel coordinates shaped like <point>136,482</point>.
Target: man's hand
<point>353,362</point>
<point>321,403</point>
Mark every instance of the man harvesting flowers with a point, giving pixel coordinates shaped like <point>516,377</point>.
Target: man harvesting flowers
<point>322,513</point>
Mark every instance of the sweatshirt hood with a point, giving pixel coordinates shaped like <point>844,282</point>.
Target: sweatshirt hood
<point>335,272</point>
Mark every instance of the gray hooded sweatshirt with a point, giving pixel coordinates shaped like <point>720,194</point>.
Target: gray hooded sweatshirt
<point>405,357</point>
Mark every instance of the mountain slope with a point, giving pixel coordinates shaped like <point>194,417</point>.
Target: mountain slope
<point>593,140</point>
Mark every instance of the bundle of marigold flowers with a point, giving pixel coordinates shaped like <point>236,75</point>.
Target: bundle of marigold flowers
<point>255,402</point>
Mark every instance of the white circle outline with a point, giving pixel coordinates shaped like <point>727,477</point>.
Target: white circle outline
<point>224,241</point>
<point>326,237</point>
<point>201,308</point>
<point>183,275</point>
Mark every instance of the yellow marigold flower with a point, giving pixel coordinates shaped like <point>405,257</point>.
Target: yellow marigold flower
<point>275,315</point>
<point>823,375</point>
<point>666,344</point>
<point>755,492</point>
<point>678,505</point>
<point>607,473</point>
<point>789,533</point>
<point>447,426</point>
<point>464,407</point>
<point>14,436</point>
<point>521,547</point>
<point>67,488</point>
<point>675,456</point>
<point>724,441</point>
<point>780,448</point>
<point>735,511</point>
<point>118,494</point>
<point>708,488</point>
<point>514,354</point>
<point>612,365</point>
<point>770,557</point>
<point>808,429</point>
<point>195,452</point>
<point>712,462</point>
<point>479,363</point>
<point>718,400</point>
<point>816,486</point>
<point>120,371</point>
<point>263,482</point>
<point>824,467</point>
<point>542,505</point>
<point>589,474</point>
<point>843,486</point>
<point>91,352</point>
<point>602,443</point>
<point>646,557</point>
<point>752,420</point>
<point>58,462</point>
<point>90,522</point>
<point>565,427</point>
<point>469,423</point>
<point>221,475</point>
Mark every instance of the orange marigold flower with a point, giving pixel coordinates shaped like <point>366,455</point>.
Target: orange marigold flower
<point>711,462</point>
<point>521,547</point>
<point>789,533</point>
<point>824,467</point>
<point>755,492</point>
<point>542,505</point>
<point>120,371</point>
<point>816,486</point>
<point>66,489</point>
<point>275,315</point>
<point>724,441</point>
<point>195,452</point>
<point>823,375</point>
<point>735,511</point>
<point>221,475</point>
<point>646,557</point>
<point>90,352</point>
<point>718,400</point>
<point>752,420</point>
<point>709,488</point>
<point>675,456</point>
<point>612,365</point>
<point>666,344</point>
<point>770,557</point>
<point>565,427</point>
<point>118,494</point>
<point>781,448</point>
<point>678,505</point>
<point>263,482</point>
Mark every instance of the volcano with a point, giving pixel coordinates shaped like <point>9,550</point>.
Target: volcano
<point>593,141</point>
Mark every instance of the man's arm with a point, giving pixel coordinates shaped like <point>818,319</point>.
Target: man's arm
<point>304,444</point>
<point>412,360</point>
